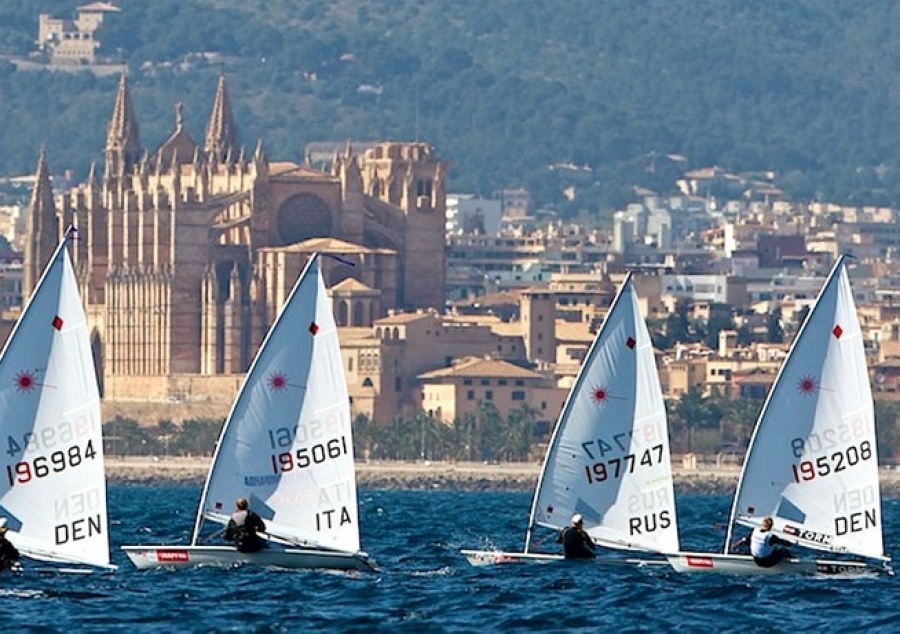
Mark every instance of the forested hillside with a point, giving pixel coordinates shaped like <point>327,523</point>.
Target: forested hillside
<point>503,89</point>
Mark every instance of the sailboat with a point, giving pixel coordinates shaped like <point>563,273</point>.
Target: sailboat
<point>287,447</point>
<point>53,487</point>
<point>608,459</point>
<point>812,462</point>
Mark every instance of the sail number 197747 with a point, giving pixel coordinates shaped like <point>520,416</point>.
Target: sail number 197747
<point>616,467</point>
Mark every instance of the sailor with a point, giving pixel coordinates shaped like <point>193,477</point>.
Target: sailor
<point>577,544</point>
<point>8,553</point>
<point>766,547</point>
<point>243,527</point>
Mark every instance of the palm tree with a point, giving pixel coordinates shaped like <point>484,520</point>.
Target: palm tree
<point>519,433</point>
<point>198,436</point>
<point>490,429</point>
<point>738,419</point>
<point>464,432</point>
<point>692,411</point>
<point>362,436</point>
<point>165,431</point>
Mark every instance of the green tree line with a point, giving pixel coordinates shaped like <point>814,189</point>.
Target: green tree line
<point>698,423</point>
<point>512,94</point>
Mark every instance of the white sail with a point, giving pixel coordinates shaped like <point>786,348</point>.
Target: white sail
<point>53,485</point>
<point>287,445</point>
<point>609,455</point>
<point>812,464</point>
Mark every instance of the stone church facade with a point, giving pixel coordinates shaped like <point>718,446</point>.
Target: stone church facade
<point>185,254</point>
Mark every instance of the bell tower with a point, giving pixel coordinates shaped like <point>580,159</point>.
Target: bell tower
<point>410,176</point>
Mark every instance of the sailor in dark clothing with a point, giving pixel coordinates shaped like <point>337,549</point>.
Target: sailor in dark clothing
<point>577,544</point>
<point>243,527</point>
<point>8,553</point>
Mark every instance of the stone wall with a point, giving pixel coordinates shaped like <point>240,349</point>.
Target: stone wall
<point>175,398</point>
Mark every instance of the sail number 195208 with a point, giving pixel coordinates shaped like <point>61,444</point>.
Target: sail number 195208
<point>310,455</point>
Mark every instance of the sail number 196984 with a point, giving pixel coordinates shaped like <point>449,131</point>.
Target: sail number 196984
<point>26,470</point>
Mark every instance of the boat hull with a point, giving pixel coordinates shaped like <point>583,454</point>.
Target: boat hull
<point>744,565</point>
<point>481,558</point>
<point>144,557</point>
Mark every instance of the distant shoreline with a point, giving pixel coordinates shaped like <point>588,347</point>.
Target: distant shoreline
<point>432,476</point>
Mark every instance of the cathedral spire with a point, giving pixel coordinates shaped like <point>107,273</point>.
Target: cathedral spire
<point>122,139</point>
<point>42,227</point>
<point>42,204</point>
<point>221,133</point>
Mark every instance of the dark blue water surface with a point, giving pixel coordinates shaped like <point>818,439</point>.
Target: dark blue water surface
<point>426,585</point>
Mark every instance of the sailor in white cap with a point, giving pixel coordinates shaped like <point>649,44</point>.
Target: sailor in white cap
<point>577,544</point>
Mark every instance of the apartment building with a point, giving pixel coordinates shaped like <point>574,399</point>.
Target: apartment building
<point>457,392</point>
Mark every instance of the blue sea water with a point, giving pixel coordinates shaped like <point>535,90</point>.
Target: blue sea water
<point>426,585</point>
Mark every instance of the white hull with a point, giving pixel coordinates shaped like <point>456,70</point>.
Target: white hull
<point>145,557</point>
<point>744,565</point>
<point>43,570</point>
<point>481,558</point>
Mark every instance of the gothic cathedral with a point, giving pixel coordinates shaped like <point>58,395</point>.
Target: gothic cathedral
<point>186,253</point>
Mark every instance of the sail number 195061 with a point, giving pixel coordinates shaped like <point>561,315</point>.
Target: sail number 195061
<point>306,456</point>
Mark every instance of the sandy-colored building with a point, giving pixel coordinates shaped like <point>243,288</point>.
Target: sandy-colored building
<point>457,392</point>
<point>72,41</point>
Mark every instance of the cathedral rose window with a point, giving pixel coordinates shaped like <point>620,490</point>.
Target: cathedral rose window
<point>302,217</point>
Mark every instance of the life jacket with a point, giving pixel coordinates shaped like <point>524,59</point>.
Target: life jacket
<point>243,532</point>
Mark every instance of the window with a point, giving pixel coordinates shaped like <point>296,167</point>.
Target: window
<point>501,381</point>
<point>518,395</point>
<point>470,395</point>
<point>467,381</point>
<point>485,381</point>
<point>398,383</point>
<point>488,395</point>
<point>350,364</point>
<point>520,382</point>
